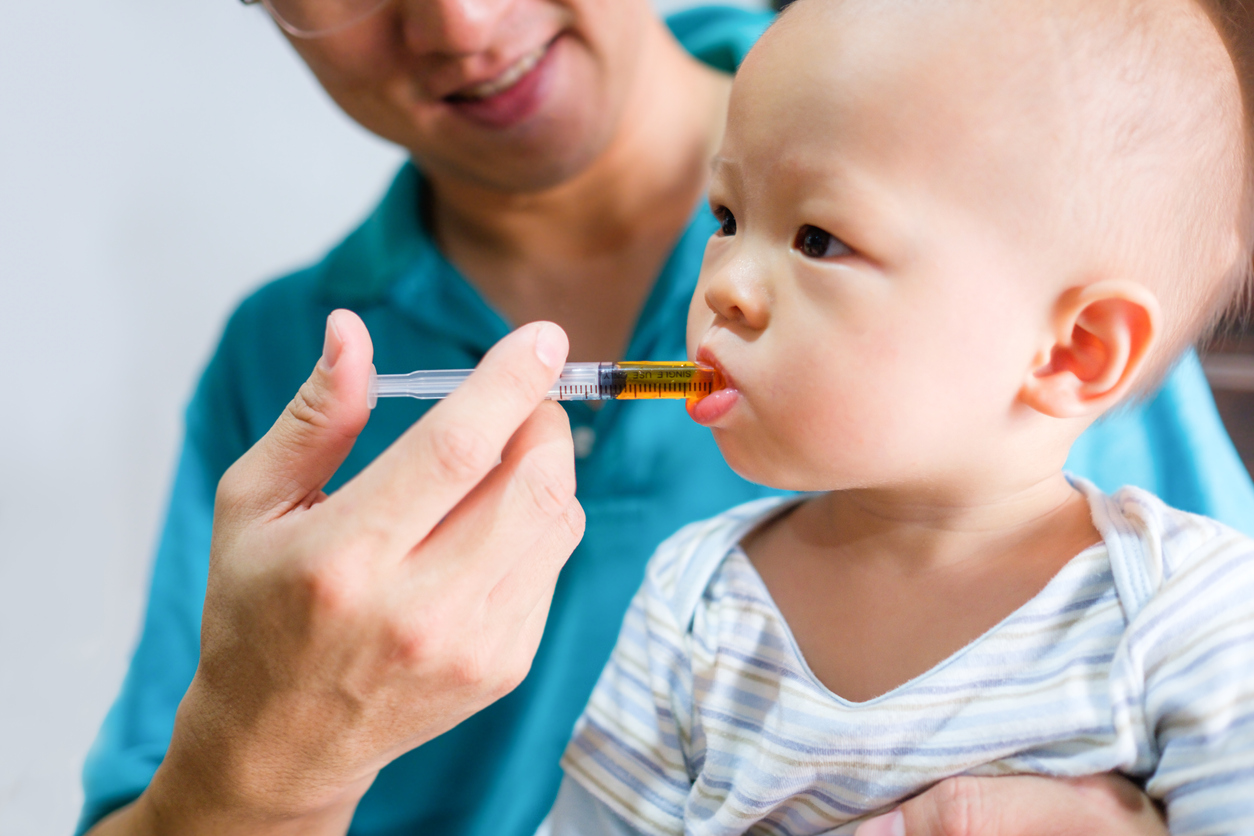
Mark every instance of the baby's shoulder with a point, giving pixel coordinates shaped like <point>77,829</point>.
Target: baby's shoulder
<point>1172,566</point>
<point>684,565</point>
<point>1170,540</point>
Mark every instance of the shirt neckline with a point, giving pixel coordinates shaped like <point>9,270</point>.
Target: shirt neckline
<point>737,553</point>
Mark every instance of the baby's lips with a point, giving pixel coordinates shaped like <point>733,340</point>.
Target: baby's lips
<point>713,406</point>
<point>717,382</point>
<point>706,359</point>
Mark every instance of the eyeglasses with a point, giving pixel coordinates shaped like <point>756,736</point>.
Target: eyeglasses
<point>314,18</point>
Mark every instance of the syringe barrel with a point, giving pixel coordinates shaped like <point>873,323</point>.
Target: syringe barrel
<point>631,381</point>
<point>578,382</point>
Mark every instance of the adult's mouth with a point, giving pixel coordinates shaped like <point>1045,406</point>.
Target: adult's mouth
<point>511,95</point>
<point>503,80</point>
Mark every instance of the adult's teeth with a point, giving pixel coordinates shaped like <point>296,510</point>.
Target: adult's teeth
<point>507,79</point>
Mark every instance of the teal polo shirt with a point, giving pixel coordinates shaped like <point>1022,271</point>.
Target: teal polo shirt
<point>645,470</point>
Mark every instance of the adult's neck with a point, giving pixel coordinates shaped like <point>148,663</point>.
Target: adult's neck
<point>644,182</point>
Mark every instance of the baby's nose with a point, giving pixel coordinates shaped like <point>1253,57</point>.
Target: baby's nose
<point>737,292</point>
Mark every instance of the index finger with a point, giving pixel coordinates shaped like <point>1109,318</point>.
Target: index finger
<point>430,469</point>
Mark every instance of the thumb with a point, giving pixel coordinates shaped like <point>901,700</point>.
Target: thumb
<point>293,461</point>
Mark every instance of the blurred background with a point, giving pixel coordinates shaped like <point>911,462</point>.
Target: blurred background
<point>157,161</point>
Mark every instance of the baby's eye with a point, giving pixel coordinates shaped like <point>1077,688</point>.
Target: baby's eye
<point>817,243</point>
<point>726,220</point>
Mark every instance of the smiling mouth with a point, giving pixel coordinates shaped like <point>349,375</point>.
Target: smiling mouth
<point>513,74</point>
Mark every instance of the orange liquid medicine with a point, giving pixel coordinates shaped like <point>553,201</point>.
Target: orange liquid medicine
<point>624,381</point>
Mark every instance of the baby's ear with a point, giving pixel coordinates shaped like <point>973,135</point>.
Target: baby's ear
<point>1100,339</point>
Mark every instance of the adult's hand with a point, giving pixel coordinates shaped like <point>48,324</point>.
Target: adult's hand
<point>340,632</point>
<point>1024,805</point>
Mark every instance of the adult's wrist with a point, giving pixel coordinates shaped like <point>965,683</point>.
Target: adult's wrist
<point>222,779</point>
<point>170,805</point>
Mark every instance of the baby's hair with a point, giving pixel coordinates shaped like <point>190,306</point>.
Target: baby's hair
<point>1235,306</point>
<point>1194,247</point>
<point>1174,150</point>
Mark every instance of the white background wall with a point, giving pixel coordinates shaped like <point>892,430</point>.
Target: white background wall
<point>157,160</point>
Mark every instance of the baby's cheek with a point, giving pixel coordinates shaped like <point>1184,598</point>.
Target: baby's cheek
<point>798,446</point>
<point>846,435</point>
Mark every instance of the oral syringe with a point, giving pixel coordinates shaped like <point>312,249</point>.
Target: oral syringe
<point>578,382</point>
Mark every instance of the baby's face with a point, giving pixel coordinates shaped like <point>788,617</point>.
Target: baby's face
<point>879,289</point>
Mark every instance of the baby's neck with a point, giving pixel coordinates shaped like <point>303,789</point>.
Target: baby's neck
<point>879,588</point>
<point>931,528</point>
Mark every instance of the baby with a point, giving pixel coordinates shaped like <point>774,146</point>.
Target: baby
<point>953,234</point>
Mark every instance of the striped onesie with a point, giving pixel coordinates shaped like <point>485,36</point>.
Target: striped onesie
<point>1137,657</point>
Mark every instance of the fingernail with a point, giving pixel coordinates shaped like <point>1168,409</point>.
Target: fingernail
<point>889,824</point>
<point>331,344</point>
<point>551,345</point>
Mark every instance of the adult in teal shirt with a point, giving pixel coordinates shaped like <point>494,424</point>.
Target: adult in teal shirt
<point>642,470</point>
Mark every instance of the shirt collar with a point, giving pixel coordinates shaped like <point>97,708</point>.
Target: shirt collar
<point>391,259</point>
<point>366,263</point>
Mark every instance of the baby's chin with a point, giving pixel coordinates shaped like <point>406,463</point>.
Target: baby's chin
<point>762,464</point>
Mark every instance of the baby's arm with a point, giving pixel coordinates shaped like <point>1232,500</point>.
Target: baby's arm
<point>578,812</point>
<point>627,765</point>
<point>1195,644</point>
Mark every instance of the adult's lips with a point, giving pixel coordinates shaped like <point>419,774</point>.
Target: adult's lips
<point>503,80</point>
<point>512,94</point>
